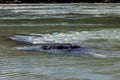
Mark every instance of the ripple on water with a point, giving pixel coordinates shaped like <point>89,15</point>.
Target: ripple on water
<point>96,10</point>
<point>103,40</point>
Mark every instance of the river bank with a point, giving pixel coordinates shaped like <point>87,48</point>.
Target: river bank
<point>59,1</point>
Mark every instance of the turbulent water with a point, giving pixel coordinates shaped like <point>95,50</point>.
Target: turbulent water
<point>93,26</point>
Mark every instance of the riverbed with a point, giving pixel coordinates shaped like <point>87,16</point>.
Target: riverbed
<point>94,26</point>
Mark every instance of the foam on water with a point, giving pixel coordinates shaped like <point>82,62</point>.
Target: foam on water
<point>101,42</point>
<point>108,36</point>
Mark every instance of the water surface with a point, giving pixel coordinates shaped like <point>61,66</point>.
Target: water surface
<point>94,26</point>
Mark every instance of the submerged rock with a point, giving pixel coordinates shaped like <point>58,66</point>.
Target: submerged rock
<point>66,49</point>
<point>55,48</point>
<point>59,46</point>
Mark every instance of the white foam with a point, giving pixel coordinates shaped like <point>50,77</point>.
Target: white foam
<point>99,55</point>
<point>71,37</point>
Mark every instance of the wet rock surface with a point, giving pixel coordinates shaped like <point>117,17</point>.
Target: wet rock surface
<point>59,46</point>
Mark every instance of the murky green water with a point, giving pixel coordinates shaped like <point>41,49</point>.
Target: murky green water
<point>95,26</point>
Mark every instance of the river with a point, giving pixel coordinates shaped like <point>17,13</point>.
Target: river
<point>95,26</point>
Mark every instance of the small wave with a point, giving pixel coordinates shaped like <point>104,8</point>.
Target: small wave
<point>71,36</point>
<point>108,37</point>
<point>94,10</point>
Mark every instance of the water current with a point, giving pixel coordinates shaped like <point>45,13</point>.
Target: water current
<point>94,26</point>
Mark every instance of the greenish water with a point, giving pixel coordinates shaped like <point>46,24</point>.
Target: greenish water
<point>95,26</point>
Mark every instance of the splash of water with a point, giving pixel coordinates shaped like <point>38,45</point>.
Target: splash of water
<point>108,36</point>
<point>70,37</point>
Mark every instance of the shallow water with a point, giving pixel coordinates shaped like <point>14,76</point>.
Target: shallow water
<point>94,26</point>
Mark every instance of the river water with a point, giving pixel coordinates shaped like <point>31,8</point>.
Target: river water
<point>95,26</point>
